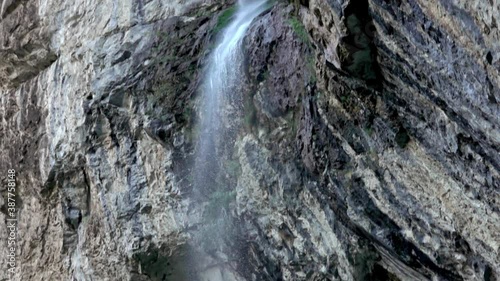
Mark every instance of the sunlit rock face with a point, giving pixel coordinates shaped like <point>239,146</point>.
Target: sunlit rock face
<point>364,143</point>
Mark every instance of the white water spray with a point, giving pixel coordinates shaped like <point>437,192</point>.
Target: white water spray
<point>222,78</point>
<point>222,83</point>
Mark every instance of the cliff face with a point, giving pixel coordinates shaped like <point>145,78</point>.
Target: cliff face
<point>368,147</point>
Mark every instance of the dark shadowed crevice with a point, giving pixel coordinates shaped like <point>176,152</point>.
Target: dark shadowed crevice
<point>157,265</point>
<point>379,273</point>
<point>358,54</point>
<point>489,58</point>
<point>11,8</point>
<point>488,274</point>
<point>402,137</point>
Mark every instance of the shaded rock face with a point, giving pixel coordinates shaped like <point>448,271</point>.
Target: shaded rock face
<point>24,42</point>
<point>338,174</point>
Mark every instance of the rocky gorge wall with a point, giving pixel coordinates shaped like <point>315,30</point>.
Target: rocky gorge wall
<point>368,148</point>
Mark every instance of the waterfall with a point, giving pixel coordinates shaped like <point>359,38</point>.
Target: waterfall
<point>222,82</point>
<point>222,77</point>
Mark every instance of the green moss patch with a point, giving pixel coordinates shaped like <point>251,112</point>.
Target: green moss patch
<point>224,19</point>
<point>300,30</point>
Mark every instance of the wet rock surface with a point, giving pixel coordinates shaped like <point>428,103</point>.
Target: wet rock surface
<point>337,176</point>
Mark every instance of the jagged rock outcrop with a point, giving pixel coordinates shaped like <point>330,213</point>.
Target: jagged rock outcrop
<point>368,147</point>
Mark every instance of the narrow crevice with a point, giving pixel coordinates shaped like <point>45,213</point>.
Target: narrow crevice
<point>358,54</point>
<point>489,58</point>
<point>11,8</point>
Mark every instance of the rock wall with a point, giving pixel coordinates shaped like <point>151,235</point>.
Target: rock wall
<point>368,147</point>
<point>394,162</point>
<point>94,170</point>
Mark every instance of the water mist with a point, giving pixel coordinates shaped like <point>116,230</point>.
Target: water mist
<point>222,82</point>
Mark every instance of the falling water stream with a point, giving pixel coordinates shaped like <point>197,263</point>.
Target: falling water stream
<point>222,82</point>
<point>222,77</point>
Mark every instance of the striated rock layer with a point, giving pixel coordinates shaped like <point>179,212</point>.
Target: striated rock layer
<point>367,146</point>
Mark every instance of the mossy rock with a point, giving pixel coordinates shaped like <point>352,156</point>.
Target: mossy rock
<point>224,19</point>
